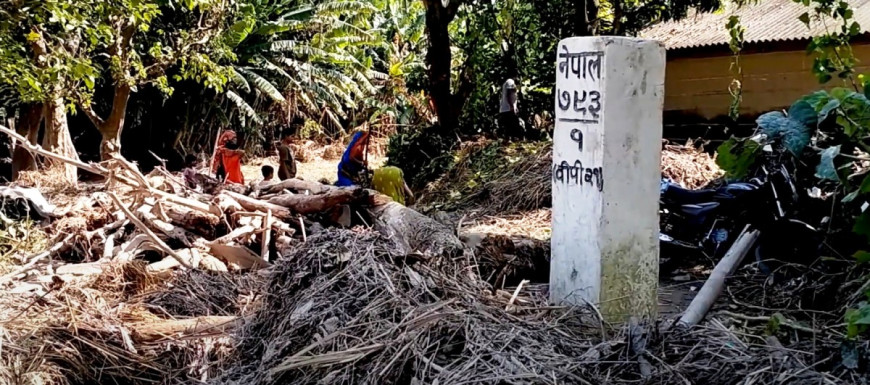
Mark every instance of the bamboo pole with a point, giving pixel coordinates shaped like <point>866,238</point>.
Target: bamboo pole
<point>708,294</point>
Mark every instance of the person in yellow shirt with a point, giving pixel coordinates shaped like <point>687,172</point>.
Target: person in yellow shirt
<point>390,181</point>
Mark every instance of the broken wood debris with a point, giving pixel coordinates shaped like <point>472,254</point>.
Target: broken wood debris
<point>157,213</point>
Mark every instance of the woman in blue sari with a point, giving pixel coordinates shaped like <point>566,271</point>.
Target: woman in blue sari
<point>352,163</point>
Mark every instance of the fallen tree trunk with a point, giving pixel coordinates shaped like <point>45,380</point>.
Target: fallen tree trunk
<point>197,222</point>
<point>299,186</point>
<point>254,204</point>
<point>412,231</point>
<point>311,204</point>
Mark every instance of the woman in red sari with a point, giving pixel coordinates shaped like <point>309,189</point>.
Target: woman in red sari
<point>227,160</point>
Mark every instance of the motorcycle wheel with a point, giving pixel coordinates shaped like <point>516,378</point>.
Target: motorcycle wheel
<point>786,242</point>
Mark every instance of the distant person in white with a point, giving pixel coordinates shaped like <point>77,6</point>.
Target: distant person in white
<point>508,122</point>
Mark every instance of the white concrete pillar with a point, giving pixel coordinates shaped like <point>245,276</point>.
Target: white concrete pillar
<point>606,172</point>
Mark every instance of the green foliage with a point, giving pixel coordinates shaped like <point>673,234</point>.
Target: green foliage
<point>826,168</point>
<point>313,59</point>
<point>793,129</point>
<point>422,155</point>
<point>857,320</point>
<point>833,54</point>
<point>835,124</point>
<point>66,49</point>
<point>861,256</point>
<point>736,157</point>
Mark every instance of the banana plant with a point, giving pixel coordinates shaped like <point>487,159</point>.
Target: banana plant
<point>314,59</point>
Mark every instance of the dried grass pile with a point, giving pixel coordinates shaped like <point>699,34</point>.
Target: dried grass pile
<point>524,185</point>
<point>48,179</point>
<point>689,165</point>
<point>194,293</point>
<point>530,224</point>
<point>504,180</point>
<point>496,178</point>
<point>84,331</point>
<point>344,308</point>
<point>720,352</point>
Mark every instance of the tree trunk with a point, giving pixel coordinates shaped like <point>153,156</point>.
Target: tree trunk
<point>57,138</point>
<point>413,232</point>
<point>586,14</point>
<point>312,204</point>
<point>111,127</point>
<point>439,58</point>
<point>298,186</point>
<point>110,143</point>
<point>617,17</point>
<point>29,118</point>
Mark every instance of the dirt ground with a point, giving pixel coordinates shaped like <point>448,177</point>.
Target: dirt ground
<point>314,169</point>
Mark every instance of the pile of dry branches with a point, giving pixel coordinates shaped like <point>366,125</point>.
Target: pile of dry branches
<point>93,330</point>
<point>525,185</point>
<point>689,165</point>
<point>165,268</point>
<point>346,308</point>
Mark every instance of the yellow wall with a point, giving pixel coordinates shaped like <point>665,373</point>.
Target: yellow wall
<point>771,80</point>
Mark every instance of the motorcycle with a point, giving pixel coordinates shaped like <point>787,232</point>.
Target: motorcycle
<point>784,238</point>
<point>710,220</point>
<point>702,220</point>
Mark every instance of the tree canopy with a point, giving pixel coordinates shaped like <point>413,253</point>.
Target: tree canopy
<point>335,63</point>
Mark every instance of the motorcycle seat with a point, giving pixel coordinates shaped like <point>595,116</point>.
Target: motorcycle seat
<point>699,209</point>
<point>681,195</point>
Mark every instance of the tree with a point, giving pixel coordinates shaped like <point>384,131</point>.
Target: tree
<point>315,60</point>
<point>140,42</point>
<point>512,39</point>
<point>439,15</point>
<point>40,44</point>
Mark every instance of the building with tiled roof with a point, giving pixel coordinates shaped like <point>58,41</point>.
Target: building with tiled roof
<point>776,67</point>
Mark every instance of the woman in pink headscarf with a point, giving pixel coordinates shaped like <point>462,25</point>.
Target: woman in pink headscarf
<point>227,159</point>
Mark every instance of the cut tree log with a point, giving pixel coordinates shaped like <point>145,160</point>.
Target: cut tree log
<point>184,328</point>
<point>192,256</point>
<point>197,222</point>
<point>413,232</point>
<point>267,233</point>
<point>705,298</point>
<point>109,246</point>
<point>239,255</point>
<point>298,186</point>
<point>241,232</point>
<point>196,259</point>
<point>311,204</point>
<point>254,204</point>
<point>147,215</point>
<point>82,269</point>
